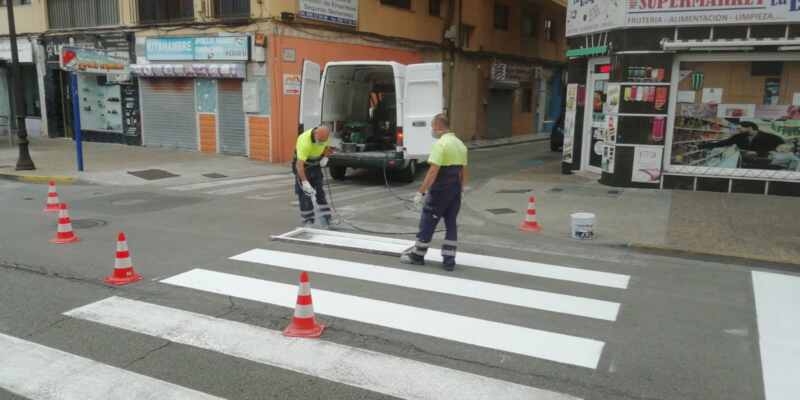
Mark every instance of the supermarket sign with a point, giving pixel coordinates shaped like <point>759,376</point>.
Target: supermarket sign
<point>589,16</point>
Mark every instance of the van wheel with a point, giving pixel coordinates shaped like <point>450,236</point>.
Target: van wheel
<point>409,173</point>
<point>338,173</point>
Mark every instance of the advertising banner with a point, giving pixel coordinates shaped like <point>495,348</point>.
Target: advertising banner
<point>92,61</point>
<point>343,12</point>
<point>204,48</point>
<point>646,13</point>
<point>569,121</point>
<point>647,164</point>
<point>587,16</point>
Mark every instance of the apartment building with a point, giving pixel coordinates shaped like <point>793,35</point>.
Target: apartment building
<point>224,75</point>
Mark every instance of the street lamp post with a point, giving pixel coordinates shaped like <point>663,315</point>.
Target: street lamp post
<point>24,161</point>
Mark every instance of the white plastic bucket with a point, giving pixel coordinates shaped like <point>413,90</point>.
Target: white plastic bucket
<point>582,226</point>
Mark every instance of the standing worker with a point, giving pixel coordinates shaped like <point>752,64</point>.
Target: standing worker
<point>310,156</point>
<point>443,185</point>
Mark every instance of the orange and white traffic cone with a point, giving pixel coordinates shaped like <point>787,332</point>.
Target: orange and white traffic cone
<point>303,323</point>
<point>52,199</point>
<point>123,268</point>
<point>64,234</point>
<point>530,224</point>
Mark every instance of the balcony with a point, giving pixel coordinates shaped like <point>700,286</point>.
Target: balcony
<point>231,8</point>
<point>66,14</point>
<point>165,11</point>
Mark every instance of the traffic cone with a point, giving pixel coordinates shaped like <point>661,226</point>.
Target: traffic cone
<point>64,234</point>
<point>123,268</point>
<point>52,199</point>
<point>303,323</point>
<point>530,224</point>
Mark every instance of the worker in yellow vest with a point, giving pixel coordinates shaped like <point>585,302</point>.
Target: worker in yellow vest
<point>310,156</point>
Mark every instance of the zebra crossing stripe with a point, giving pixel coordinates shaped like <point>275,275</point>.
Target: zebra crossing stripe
<point>228,182</point>
<point>249,188</point>
<point>43,373</point>
<point>473,331</point>
<point>390,375</point>
<point>536,299</point>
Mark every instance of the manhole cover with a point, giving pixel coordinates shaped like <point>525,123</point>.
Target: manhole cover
<point>88,223</point>
<point>28,198</point>
<point>215,175</point>
<point>614,192</point>
<point>152,174</point>
<point>129,202</point>
<point>556,190</point>
<point>514,191</point>
<point>500,211</point>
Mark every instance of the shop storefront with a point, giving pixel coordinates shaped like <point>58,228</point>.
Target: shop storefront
<point>193,92</point>
<point>701,107</point>
<point>107,93</point>
<point>31,104</point>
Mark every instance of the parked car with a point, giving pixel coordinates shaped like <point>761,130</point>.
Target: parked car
<point>557,135</point>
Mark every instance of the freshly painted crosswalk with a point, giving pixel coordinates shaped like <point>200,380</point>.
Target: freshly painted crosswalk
<point>554,302</point>
<point>551,346</point>
<point>228,182</point>
<point>377,372</point>
<point>777,297</point>
<point>42,373</point>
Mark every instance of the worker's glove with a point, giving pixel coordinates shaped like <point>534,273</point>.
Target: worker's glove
<point>308,189</point>
<point>419,200</point>
<point>323,162</point>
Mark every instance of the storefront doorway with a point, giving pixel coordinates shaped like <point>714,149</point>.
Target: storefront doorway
<point>595,124</point>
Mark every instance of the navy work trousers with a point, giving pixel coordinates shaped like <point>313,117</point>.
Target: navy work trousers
<point>315,178</point>
<point>443,202</point>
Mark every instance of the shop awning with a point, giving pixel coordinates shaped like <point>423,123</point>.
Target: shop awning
<point>587,52</point>
<point>190,70</point>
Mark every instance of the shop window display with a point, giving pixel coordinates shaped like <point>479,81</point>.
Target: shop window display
<point>100,103</point>
<point>741,126</point>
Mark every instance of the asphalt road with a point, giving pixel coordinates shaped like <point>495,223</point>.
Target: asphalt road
<point>678,328</point>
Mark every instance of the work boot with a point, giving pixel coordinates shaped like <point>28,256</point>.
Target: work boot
<point>325,223</point>
<point>411,258</point>
<point>450,267</point>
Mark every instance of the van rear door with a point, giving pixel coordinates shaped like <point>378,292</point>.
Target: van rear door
<point>310,96</point>
<point>422,101</point>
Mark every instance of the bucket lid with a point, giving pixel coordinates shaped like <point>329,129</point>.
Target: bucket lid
<point>583,215</point>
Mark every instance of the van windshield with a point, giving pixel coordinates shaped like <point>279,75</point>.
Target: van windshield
<point>360,103</point>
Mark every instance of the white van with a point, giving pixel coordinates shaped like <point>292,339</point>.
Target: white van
<point>380,112</point>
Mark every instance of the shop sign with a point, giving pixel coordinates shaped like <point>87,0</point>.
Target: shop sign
<point>647,164</point>
<point>205,48</point>
<point>91,61</point>
<point>116,43</point>
<point>231,70</point>
<point>686,13</point>
<point>588,16</point>
<point>343,12</point>
<point>569,121</point>
<point>292,84</point>
<point>512,72</point>
<point>24,50</point>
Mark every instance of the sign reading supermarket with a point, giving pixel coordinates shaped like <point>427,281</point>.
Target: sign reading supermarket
<point>590,16</point>
<point>710,12</point>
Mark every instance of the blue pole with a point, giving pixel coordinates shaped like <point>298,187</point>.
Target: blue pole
<point>76,119</point>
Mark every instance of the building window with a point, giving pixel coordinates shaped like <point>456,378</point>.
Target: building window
<point>231,8</point>
<point>501,17</point>
<point>157,11</point>
<point>16,2</point>
<point>435,8</point>
<point>549,29</point>
<point>528,27</point>
<point>527,100</point>
<point>404,4</point>
<point>80,14</point>
<point>466,35</point>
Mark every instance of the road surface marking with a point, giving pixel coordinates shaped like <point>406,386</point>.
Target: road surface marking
<point>530,342</point>
<point>365,369</point>
<point>776,298</point>
<point>352,194</point>
<point>228,182</point>
<point>536,299</point>
<point>42,373</point>
<point>384,244</point>
<point>249,188</point>
<point>578,275</point>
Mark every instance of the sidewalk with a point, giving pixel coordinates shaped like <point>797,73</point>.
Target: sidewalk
<point>112,164</point>
<point>734,225</point>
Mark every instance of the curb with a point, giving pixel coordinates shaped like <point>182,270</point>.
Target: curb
<point>761,262</point>
<point>62,180</point>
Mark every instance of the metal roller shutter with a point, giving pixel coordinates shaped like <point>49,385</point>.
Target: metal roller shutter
<point>168,117</point>
<point>231,118</point>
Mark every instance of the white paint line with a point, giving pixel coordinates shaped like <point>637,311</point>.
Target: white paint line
<point>42,373</point>
<point>228,182</point>
<point>365,369</point>
<point>776,298</point>
<point>352,194</point>
<point>530,342</point>
<point>579,275</point>
<point>249,188</point>
<point>389,245</point>
<point>536,299</point>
